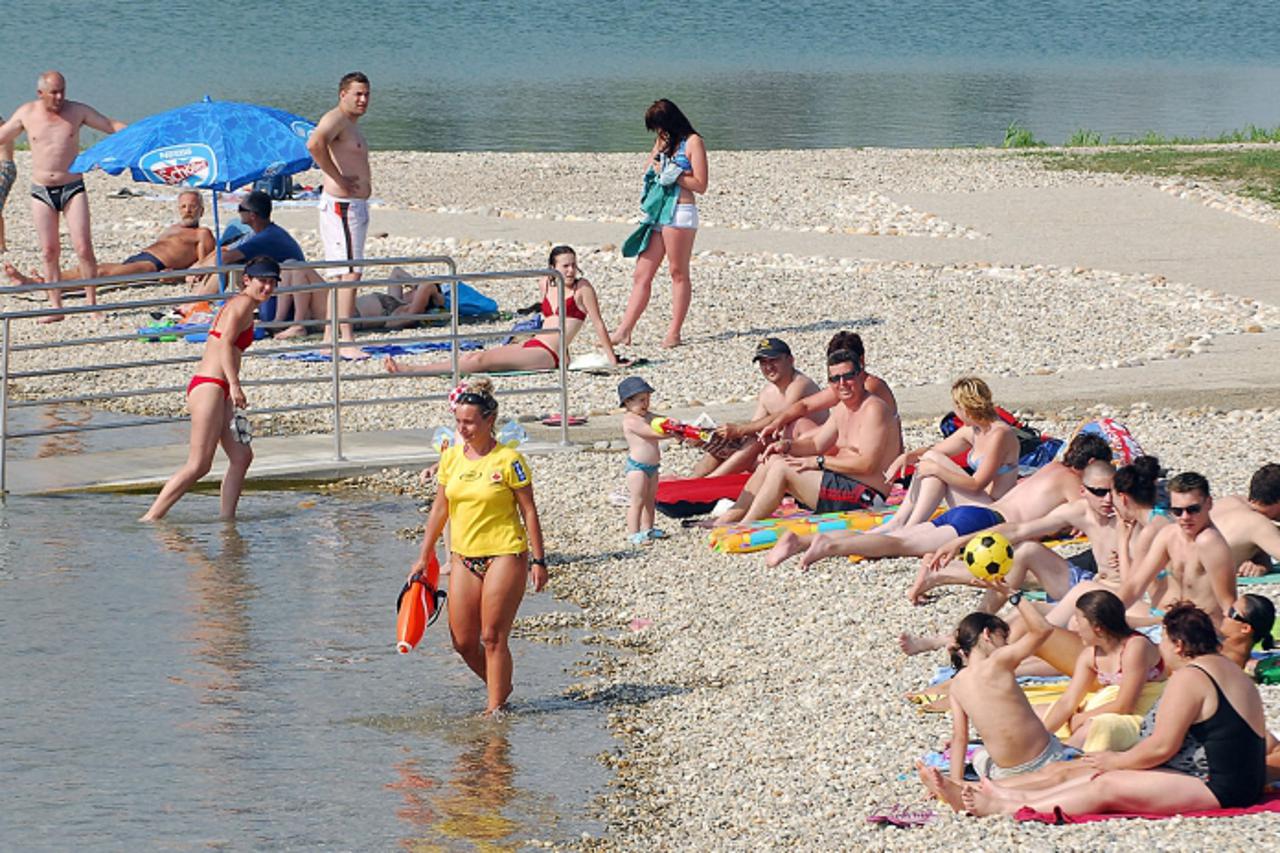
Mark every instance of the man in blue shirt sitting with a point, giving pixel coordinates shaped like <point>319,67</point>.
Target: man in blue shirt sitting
<point>267,239</point>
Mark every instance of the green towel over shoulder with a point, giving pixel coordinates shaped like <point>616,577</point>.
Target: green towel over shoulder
<point>658,204</point>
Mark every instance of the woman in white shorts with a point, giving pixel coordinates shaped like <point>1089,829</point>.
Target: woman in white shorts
<point>678,142</point>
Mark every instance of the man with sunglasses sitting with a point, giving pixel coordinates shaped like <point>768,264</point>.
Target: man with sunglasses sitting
<point>1092,513</point>
<point>836,468</point>
<point>268,239</point>
<point>1193,550</point>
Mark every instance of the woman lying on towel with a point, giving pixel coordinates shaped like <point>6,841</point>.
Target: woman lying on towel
<point>1205,748</point>
<point>540,351</point>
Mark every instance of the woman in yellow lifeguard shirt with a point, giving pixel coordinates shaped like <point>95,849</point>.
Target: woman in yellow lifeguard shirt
<point>486,493</point>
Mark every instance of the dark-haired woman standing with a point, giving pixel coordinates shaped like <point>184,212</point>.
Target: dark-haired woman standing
<point>678,147</point>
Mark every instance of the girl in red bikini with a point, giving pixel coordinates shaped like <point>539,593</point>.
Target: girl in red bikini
<point>541,351</point>
<point>214,394</point>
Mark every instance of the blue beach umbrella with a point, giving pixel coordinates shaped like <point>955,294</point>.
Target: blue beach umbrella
<point>214,145</point>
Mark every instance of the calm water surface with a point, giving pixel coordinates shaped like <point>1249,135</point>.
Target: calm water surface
<point>577,75</point>
<point>195,684</point>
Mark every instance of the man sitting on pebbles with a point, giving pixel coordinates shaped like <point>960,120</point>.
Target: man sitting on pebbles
<point>177,248</point>
<point>1249,523</point>
<point>786,386</point>
<point>837,468</point>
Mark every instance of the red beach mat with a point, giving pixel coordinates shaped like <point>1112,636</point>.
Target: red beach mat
<point>1270,803</point>
<point>554,420</point>
<point>690,496</point>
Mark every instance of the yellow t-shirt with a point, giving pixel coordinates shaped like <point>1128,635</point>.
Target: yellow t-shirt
<point>483,517</point>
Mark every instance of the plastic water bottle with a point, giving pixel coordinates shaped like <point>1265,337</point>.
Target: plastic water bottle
<point>512,434</point>
<point>441,439</point>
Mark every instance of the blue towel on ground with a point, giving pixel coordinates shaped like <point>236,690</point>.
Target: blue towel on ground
<point>420,346</point>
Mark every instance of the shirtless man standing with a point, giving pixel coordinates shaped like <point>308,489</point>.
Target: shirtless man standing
<point>177,248</point>
<point>837,468</point>
<point>52,124</point>
<point>341,152</point>
<point>1249,524</point>
<point>786,386</point>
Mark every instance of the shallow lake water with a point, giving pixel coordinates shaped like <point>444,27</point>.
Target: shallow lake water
<point>195,684</point>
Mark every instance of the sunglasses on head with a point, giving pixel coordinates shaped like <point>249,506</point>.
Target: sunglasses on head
<point>1189,509</point>
<point>1232,613</point>
<point>844,377</point>
<point>1098,491</point>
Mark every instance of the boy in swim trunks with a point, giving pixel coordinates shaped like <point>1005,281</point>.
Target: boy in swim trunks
<point>643,460</point>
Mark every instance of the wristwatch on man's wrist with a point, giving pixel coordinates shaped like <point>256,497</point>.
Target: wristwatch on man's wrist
<point>822,462</point>
<point>1015,598</point>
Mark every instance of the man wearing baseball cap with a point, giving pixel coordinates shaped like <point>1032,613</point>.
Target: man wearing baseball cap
<point>267,239</point>
<point>736,446</point>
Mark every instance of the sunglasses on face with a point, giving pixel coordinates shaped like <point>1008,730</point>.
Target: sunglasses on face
<point>1232,613</point>
<point>1189,509</point>
<point>1098,491</point>
<point>844,377</point>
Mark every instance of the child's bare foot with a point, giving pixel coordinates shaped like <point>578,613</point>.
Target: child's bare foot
<point>940,786</point>
<point>670,342</point>
<point>353,353</point>
<point>788,546</point>
<point>52,318</point>
<point>294,331</point>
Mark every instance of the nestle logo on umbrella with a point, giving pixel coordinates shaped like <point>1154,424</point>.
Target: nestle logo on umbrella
<point>189,163</point>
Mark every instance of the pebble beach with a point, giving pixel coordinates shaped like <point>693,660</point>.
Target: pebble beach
<point>754,708</point>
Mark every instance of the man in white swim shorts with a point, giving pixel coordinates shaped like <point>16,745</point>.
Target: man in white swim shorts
<point>342,154</point>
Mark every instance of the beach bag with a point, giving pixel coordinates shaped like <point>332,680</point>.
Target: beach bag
<point>1029,441</point>
<point>1124,447</point>
<point>279,187</point>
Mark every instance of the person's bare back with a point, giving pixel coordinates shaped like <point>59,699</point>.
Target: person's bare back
<point>996,707</point>
<point>1247,529</point>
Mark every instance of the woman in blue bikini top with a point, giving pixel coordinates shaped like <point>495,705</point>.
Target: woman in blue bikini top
<point>992,454</point>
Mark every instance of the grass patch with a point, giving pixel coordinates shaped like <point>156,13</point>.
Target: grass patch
<point>1254,172</point>
<point>1016,135</point>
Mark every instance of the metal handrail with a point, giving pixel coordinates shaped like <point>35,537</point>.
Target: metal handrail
<point>336,402</point>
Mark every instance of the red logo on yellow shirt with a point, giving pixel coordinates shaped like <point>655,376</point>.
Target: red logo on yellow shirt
<point>495,477</point>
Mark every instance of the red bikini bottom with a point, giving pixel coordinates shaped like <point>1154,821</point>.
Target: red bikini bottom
<point>201,380</point>
<point>534,342</point>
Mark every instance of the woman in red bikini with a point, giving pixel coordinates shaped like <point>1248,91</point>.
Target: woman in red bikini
<point>214,394</point>
<point>540,351</point>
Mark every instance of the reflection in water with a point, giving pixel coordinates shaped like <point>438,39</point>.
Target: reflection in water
<point>63,444</point>
<point>469,807</point>
<point>219,626</point>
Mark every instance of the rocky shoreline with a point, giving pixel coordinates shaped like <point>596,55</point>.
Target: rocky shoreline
<point>754,708</point>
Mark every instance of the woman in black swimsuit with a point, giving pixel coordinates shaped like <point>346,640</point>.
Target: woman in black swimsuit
<point>1209,704</point>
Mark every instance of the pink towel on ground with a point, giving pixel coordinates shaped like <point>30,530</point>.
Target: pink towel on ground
<point>1270,803</point>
